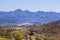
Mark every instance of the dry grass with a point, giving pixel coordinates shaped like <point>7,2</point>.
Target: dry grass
<point>4,39</point>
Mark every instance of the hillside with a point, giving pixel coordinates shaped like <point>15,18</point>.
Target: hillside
<point>49,30</point>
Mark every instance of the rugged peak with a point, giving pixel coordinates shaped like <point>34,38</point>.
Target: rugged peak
<point>18,10</point>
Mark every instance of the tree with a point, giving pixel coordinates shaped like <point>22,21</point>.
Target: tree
<point>18,37</point>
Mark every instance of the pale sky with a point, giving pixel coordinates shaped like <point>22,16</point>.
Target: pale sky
<point>31,5</point>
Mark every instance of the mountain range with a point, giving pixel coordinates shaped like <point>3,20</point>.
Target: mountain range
<point>20,16</point>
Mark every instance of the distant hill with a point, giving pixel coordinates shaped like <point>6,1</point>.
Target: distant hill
<point>19,16</point>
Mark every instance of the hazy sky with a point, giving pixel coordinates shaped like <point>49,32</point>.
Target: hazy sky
<point>32,5</point>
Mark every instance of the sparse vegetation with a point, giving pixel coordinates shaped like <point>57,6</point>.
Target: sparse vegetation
<point>48,31</point>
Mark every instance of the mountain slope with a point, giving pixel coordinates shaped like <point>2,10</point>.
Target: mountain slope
<point>49,30</point>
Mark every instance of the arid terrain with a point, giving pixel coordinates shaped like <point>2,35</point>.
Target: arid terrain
<point>48,31</point>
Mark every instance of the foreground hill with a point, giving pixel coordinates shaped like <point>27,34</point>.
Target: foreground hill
<point>49,30</point>
<point>19,16</point>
